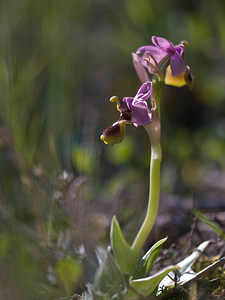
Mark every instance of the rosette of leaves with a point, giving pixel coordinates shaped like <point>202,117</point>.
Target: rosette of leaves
<point>111,283</point>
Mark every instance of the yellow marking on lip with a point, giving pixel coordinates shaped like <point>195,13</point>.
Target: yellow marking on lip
<point>177,81</point>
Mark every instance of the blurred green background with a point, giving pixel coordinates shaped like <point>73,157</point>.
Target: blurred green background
<point>60,62</point>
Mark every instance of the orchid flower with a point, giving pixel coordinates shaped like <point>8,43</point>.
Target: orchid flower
<point>165,62</point>
<point>163,51</point>
<point>132,111</point>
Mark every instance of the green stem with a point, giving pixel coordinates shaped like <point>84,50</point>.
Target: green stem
<point>153,202</point>
<point>157,91</point>
<point>153,130</point>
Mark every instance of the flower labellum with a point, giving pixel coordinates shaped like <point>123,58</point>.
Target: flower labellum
<point>180,80</point>
<point>114,134</point>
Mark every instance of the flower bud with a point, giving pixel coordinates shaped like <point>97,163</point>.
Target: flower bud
<point>114,134</point>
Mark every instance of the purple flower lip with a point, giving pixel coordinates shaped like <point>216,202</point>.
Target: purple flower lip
<point>164,49</point>
<point>135,110</point>
<point>132,111</point>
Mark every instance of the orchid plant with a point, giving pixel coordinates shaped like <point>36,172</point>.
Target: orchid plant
<point>154,64</point>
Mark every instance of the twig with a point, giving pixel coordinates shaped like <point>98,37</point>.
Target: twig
<point>182,287</point>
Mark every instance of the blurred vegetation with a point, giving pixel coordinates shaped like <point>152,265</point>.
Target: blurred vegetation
<point>60,62</point>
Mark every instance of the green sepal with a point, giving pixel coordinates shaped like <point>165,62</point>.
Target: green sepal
<point>147,260</point>
<point>148,286</point>
<point>125,256</point>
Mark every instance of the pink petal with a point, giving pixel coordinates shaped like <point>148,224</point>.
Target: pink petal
<point>140,113</point>
<point>177,64</point>
<point>162,43</point>
<point>158,53</point>
<point>144,92</point>
<point>139,68</point>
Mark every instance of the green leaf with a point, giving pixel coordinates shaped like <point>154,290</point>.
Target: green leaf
<point>185,272</point>
<point>125,257</point>
<point>212,225</point>
<point>186,263</point>
<point>147,260</point>
<point>68,272</point>
<point>147,286</point>
<point>108,280</point>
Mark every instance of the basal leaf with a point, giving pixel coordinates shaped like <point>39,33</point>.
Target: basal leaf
<point>147,260</point>
<point>147,286</point>
<point>108,279</point>
<point>189,261</point>
<point>123,253</point>
<point>184,273</point>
